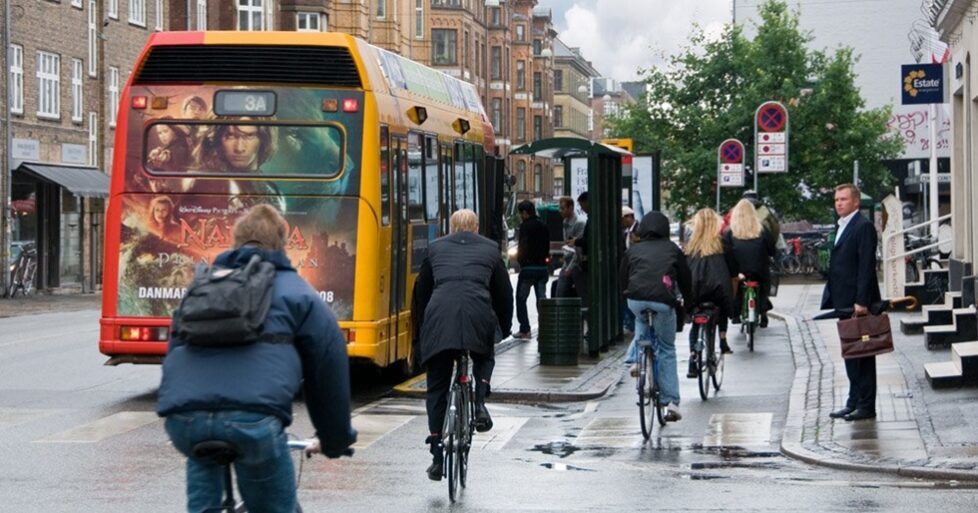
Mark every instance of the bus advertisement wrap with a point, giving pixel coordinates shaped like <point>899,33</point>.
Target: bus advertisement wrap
<point>197,173</point>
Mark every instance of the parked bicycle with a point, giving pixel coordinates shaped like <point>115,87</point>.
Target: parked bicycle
<point>917,263</point>
<point>459,424</point>
<point>647,383</point>
<point>749,310</point>
<point>709,361</point>
<point>23,271</point>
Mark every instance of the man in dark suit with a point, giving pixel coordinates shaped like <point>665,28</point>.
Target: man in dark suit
<point>853,287</point>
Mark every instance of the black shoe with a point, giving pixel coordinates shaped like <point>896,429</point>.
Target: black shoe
<point>838,414</point>
<point>764,321</point>
<point>436,469</point>
<point>693,369</point>
<point>483,421</point>
<point>724,347</point>
<point>860,414</point>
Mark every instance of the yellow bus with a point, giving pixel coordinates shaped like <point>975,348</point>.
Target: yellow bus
<point>365,152</point>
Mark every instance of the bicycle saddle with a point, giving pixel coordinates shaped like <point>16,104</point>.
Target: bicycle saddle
<point>218,451</point>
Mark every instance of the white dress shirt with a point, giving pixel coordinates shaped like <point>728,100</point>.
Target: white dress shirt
<point>843,222</point>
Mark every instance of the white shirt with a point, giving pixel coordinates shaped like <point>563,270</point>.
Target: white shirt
<point>843,222</point>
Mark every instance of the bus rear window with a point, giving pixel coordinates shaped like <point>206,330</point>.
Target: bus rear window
<point>224,148</point>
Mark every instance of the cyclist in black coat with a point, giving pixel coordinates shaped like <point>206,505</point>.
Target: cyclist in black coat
<point>463,300</point>
<point>750,248</point>
<point>711,276</point>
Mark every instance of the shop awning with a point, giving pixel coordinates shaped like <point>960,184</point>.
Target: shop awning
<point>86,182</point>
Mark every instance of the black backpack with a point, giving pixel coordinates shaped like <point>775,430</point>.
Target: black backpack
<point>226,306</point>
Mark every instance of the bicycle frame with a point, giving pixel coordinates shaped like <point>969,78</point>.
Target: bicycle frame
<point>750,301</point>
<point>459,424</point>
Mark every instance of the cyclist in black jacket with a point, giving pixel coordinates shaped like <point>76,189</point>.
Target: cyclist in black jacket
<point>532,252</point>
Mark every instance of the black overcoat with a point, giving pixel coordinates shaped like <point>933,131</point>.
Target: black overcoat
<point>463,298</point>
<point>852,268</point>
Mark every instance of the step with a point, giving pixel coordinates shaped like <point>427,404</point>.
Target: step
<point>942,374</point>
<point>912,326</point>
<point>964,355</point>
<point>940,329</point>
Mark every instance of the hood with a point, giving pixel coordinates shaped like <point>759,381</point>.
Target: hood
<point>240,257</point>
<point>654,225</point>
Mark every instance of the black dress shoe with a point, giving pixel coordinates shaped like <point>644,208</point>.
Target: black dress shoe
<point>838,414</point>
<point>483,421</point>
<point>860,414</point>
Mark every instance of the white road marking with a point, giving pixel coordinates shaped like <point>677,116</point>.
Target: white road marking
<point>103,428</point>
<point>741,429</point>
<point>10,417</point>
<point>617,432</point>
<point>503,430</point>
<point>371,428</point>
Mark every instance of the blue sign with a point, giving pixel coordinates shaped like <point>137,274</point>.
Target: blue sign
<point>922,83</point>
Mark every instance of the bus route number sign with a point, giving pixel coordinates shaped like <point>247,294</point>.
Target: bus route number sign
<point>244,103</point>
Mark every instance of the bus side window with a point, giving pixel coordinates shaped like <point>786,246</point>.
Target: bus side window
<point>470,163</point>
<point>458,196</point>
<point>415,183</point>
<point>446,186</point>
<point>431,179</point>
<point>385,176</point>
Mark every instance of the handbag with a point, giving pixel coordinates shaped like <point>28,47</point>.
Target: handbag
<point>865,335</point>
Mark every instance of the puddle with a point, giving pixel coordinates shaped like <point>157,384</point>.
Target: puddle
<point>564,467</point>
<point>559,448</point>
<point>733,464</point>
<point>703,477</point>
<point>734,452</point>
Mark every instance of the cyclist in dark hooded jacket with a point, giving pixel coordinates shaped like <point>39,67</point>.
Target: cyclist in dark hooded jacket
<point>243,394</point>
<point>653,276</point>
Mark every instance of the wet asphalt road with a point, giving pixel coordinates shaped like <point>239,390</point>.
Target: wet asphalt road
<point>75,435</point>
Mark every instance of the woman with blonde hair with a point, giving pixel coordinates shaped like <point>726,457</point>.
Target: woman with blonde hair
<point>750,247</point>
<point>710,277</point>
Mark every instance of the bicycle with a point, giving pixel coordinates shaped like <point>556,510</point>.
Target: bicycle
<point>23,272</point>
<point>749,311</point>
<point>647,383</point>
<point>459,424</point>
<point>709,366</point>
<point>918,262</point>
<point>224,453</point>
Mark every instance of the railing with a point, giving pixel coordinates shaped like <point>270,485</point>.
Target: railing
<point>912,228</point>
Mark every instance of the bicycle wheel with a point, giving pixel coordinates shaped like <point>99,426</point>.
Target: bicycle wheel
<point>716,367</point>
<point>645,404</point>
<point>452,442</point>
<point>912,274</point>
<point>465,435</point>
<point>750,327</point>
<point>703,361</point>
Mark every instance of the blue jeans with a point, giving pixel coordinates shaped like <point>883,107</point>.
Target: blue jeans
<point>530,277</point>
<point>264,467</point>
<point>665,349</point>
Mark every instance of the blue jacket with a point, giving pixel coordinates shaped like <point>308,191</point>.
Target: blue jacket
<point>265,377</point>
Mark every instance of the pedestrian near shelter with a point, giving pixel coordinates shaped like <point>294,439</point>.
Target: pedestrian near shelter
<point>604,186</point>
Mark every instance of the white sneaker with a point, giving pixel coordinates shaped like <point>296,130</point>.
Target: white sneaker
<point>672,413</point>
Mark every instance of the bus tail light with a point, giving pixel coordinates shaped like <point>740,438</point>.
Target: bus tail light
<point>351,105</point>
<point>145,333</point>
<point>139,102</point>
<point>350,336</point>
<point>330,105</point>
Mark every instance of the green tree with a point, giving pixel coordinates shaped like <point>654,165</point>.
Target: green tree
<point>709,92</point>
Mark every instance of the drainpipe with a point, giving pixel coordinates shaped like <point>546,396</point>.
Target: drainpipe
<point>5,180</point>
<point>188,14</point>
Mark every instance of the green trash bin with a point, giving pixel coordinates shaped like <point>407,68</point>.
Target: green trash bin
<point>559,336</point>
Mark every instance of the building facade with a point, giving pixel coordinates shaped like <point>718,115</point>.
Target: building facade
<point>956,27</point>
<point>609,96</point>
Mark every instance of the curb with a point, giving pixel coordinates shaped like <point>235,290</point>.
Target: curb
<point>801,402</point>
<point>593,383</point>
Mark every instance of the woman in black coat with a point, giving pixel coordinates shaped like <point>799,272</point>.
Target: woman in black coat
<point>710,276</point>
<point>750,248</point>
<point>463,300</point>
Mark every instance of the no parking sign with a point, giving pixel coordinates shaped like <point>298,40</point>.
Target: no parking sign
<point>730,163</point>
<point>771,138</point>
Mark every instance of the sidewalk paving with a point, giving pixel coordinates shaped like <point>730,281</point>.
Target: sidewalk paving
<point>38,303</point>
<point>905,438</point>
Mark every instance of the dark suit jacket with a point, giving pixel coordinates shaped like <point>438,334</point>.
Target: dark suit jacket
<point>852,268</point>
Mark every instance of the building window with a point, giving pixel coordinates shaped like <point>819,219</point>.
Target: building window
<point>307,22</point>
<point>113,9</point>
<point>76,3</point>
<point>93,139</point>
<point>521,175</point>
<point>137,12</point>
<point>443,44</point>
<point>113,94</point>
<point>381,9</point>
<point>520,124</point>
<point>538,178</point>
<point>48,85</point>
<point>16,79</point>
<point>497,115</point>
<point>537,86</point>
<point>159,15</point>
<point>92,39</point>
<point>496,16</point>
<point>537,128</point>
<point>251,15</point>
<point>520,75</point>
<point>537,47</point>
<point>521,32</point>
<point>201,14</point>
<point>558,80</point>
<point>76,90</point>
<point>558,116</point>
<point>419,19</point>
<point>497,63</point>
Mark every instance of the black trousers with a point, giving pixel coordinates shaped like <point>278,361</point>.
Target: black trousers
<point>862,383</point>
<point>439,369</point>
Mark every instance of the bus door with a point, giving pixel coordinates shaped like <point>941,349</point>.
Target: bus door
<point>447,169</point>
<point>399,229</point>
<point>492,194</point>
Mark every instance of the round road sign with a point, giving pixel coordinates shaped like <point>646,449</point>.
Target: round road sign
<point>732,152</point>
<point>771,117</point>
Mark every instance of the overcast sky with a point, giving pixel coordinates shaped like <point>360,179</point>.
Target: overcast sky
<point>621,36</point>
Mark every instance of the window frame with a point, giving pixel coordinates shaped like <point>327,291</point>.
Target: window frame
<point>537,86</point>
<point>158,25</point>
<point>92,39</point>
<point>201,14</point>
<point>415,200</point>
<point>386,203</point>
<point>496,69</point>
<point>49,79</point>
<point>537,127</point>
<point>137,13</point>
<point>450,44</point>
<point>419,19</point>
<point>112,9</point>
<point>380,11</point>
<point>558,80</point>
<point>558,116</point>
<point>308,16</point>
<point>113,89</point>
<point>16,76</point>
<point>77,91</point>
<point>76,3</point>
<point>520,124</point>
<point>429,162</point>
<point>521,75</point>
<point>245,11</point>
<point>93,139</point>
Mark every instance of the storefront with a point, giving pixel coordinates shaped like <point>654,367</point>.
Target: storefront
<point>60,209</point>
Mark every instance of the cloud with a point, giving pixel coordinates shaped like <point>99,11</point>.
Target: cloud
<point>621,36</point>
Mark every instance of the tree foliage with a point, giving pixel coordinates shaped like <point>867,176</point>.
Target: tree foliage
<point>710,91</point>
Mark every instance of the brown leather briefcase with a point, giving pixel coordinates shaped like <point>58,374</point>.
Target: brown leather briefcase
<point>865,335</point>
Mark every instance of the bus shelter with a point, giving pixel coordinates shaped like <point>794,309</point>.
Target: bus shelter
<point>605,241</point>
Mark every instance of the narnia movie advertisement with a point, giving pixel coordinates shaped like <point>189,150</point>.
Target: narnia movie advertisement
<point>197,165</point>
